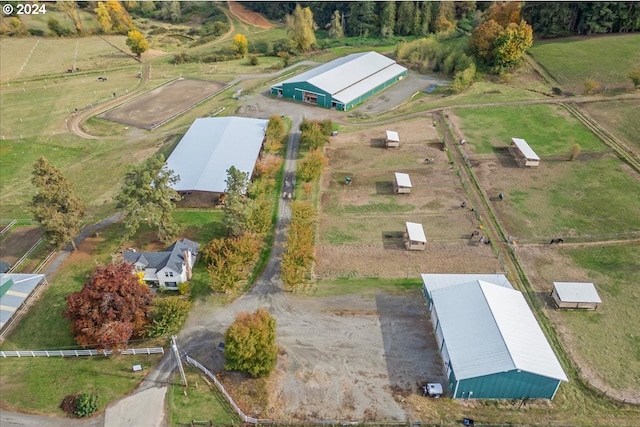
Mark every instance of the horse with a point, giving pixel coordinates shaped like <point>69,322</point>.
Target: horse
<point>556,241</point>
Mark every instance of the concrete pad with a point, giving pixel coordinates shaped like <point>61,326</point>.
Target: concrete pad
<point>143,409</point>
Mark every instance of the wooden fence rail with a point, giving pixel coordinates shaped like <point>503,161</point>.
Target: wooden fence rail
<point>78,353</point>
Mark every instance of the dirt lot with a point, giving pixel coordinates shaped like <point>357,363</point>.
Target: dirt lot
<point>351,357</point>
<point>248,16</point>
<point>160,104</point>
<point>361,225</point>
<point>17,242</point>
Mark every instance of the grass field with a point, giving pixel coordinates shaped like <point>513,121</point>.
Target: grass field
<point>550,130</point>
<point>620,118</point>
<point>572,60</point>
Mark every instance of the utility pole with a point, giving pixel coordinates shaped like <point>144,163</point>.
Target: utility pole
<point>174,347</point>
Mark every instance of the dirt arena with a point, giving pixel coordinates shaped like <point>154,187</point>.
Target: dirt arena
<point>17,242</point>
<point>248,16</point>
<point>361,224</point>
<point>159,105</point>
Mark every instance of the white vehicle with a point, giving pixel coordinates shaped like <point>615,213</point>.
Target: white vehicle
<point>432,389</point>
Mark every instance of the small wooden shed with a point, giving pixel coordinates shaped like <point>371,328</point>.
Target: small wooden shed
<point>414,237</point>
<point>575,295</point>
<point>402,183</point>
<point>525,156</point>
<point>393,140</point>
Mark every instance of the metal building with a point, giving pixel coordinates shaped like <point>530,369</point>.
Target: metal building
<point>344,82</point>
<point>490,341</point>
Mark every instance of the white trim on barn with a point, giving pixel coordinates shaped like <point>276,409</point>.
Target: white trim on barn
<point>414,237</point>
<point>393,139</point>
<point>524,153</point>
<point>402,183</point>
<point>575,295</point>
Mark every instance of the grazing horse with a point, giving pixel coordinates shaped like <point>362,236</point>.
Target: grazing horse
<point>556,241</point>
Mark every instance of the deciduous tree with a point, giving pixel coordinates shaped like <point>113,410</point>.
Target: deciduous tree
<point>70,8</point>
<point>146,195</point>
<point>111,308</point>
<point>167,316</point>
<point>335,27</point>
<point>312,165</point>
<point>250,344</point>
<point>137,43</point>
<point>301,28</point>
<point>634,75</point>
<point>113,17</point>
<point>240,45</point>
<point>55,205</point>
<point>512,43</point>
<point>237,206</point>
<point>388,18</point>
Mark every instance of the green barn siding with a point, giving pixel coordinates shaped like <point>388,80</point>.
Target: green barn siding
<point>506,385</point>
<point>294,91</point>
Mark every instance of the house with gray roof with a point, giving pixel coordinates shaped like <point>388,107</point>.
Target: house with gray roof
<point>168,268</point>
<point>344,82</point>
<point>490,341</point>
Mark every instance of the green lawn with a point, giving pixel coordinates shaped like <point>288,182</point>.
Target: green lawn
<point>549,129</point>
<point>620,118</point>
<point>607,59</point>
<point>609,337</point>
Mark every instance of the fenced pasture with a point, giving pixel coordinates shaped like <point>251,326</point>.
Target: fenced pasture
<point>550,130</point>
<point>604,342</point>
<point>31,58</point>
<point>560,198</point>
<point>161,104</point>
<point>41,107</point>
<point>361,224</point>
<point>607,59</point>
<point>15,243</point>
<point>619,118</point>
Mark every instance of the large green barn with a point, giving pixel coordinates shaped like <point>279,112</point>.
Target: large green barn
<point>490,342</point>
<point>342,83</point>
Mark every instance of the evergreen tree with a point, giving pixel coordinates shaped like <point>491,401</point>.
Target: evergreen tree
<point>55,205</point>
<point>405,18</point>
<point>237,206</point>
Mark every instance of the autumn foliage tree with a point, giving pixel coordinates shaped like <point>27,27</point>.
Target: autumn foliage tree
<point>276,131</point>
<point>240,45</point>
<point>230,260</point>
<point>250,344</point>
<point>111,308</point>
<point>311,167</point>
<point>299,256</point>
<point>55,205</point>
<point>137,43</point>
<point>301,28</point>
<point>113,17</point>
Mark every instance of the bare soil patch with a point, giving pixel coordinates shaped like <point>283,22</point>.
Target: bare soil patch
<point>153,108</point>
<point>248,16</point>
<point>17,242</point>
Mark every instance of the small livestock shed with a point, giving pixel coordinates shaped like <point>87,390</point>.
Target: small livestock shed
<point>402,183</point>
<point>414,237</point>
<point>575,295</point>
<point>490,341</point>
<point>524,154</point>
<point>17,291</point>
<point>392,140</point>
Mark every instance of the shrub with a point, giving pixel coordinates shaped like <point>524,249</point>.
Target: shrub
<point>575,151</point>
<point>592,86</point>
<point>634,75</point>
<point>250,344</point>
<point>184,288</point>
<point>253,60</point>
<point>68,404</point>
<point>86,404</point>
<point>167,316</point>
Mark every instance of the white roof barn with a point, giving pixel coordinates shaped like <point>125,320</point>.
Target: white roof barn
<point>575,295</point>
<point>210,147</point>
<point>490,340</point>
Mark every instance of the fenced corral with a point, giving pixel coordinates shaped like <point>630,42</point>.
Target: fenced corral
<point>79,353</point>
<point>163,103</point>
<point>22,310</point>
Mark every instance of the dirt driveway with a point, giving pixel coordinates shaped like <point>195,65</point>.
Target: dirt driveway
<point>351,357</point>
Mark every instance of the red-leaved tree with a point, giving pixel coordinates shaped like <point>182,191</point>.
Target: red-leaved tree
<point>112,307</point>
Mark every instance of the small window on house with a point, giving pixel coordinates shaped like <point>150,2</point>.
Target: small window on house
<point>139,268</point>
<point>171,274</point>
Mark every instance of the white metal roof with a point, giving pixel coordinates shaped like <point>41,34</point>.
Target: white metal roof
<point>577,292</point>
<point>402,179</point>
<point>416,232</point>
<point>18,291</point>
<point>525,149</point>
<point>393,136</point>
<point>350,76</point>
<point>211,146</point>
<point>490,329</point>
<point>438,281</point>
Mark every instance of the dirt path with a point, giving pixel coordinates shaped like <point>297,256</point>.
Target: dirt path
<point>248,16</point>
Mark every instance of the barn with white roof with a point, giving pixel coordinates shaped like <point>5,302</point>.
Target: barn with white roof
<point>210,147</point>
<point>344,82</point>
<point>490,341</point>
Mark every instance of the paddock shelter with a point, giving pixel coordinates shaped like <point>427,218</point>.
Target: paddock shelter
<point>414,237</point>
<point>402,183</point>
<point>392,139</point>
<point>344,82</point>
<point>576,295</point>
<point>491,344</point>
<point>524,154</point>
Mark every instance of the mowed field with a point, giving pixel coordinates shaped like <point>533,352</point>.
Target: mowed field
<point>592,202</point>
<point>619,118</point>
<point>607,59</point>
<point>361,225</point>
<point>587,198</point>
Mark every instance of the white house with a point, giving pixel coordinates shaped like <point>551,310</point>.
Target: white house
<point>168,268</point>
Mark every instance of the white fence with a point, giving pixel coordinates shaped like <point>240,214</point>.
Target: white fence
<point>8,227</point>
<point>77,353</point>
<point>212,377</point>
